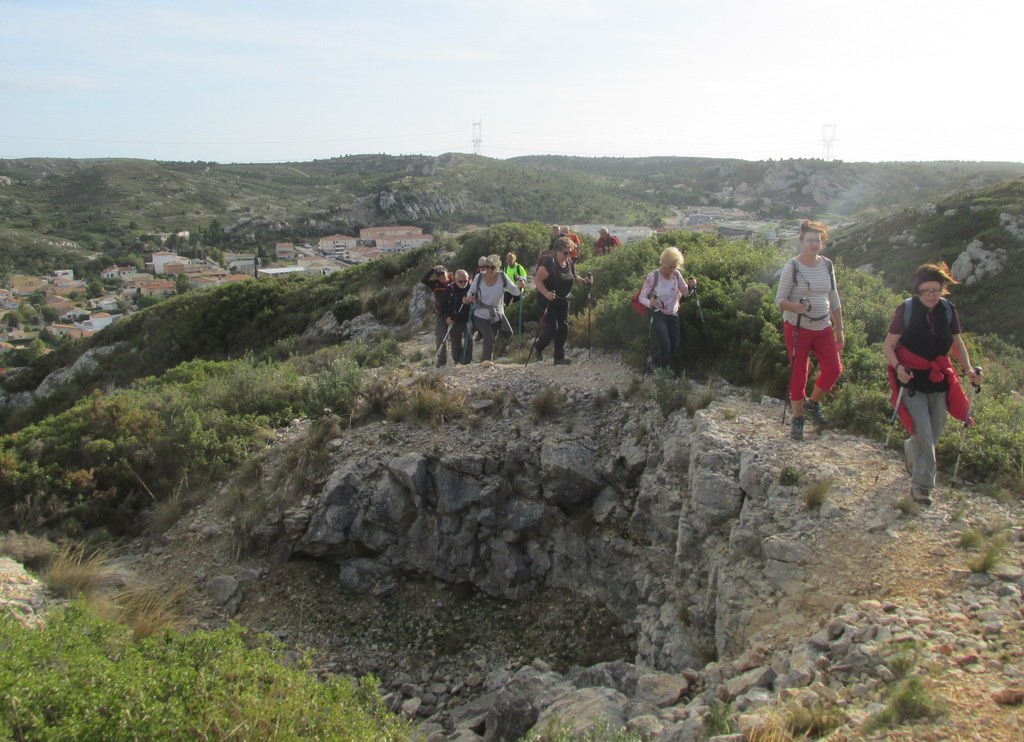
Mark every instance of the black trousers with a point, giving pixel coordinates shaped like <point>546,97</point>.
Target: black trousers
<point>556,326</point>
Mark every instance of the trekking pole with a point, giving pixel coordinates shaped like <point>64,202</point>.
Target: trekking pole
<point>967,423</point>
<point>589,344</point>
<point>792,361</point>
<point>519,345</point>
<point>895,414</point>
<point>437,353</point>
<point>696,297</point>
<point>650,334</point>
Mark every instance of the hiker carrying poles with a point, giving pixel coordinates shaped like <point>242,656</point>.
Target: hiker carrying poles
<point>967,424</point>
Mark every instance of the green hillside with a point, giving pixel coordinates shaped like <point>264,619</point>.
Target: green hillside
<point>942,229</point>
<point>67,212</point>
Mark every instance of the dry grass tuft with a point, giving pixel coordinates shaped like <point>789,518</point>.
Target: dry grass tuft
<point>74,571</point>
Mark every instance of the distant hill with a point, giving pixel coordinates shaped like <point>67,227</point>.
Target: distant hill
<point>107,206</point>
<point>979,232</point>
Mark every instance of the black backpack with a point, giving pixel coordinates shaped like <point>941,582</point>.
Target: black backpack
<point>908,310</point>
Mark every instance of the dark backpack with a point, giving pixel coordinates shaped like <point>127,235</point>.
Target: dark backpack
<point>908,311</point>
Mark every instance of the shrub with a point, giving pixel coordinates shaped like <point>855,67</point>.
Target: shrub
<point>789,476</point>
<point>548,403</point>
<point>83,678</point>
<point>908,702</point>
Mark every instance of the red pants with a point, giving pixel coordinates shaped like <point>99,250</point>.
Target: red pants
<point>823,344</point>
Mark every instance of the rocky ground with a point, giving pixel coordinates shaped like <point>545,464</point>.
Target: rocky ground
<point>881,581</point>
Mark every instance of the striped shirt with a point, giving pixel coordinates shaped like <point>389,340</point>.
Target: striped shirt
<point>814,284</point>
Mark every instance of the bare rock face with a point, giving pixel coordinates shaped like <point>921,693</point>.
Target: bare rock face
<point>976,263</point>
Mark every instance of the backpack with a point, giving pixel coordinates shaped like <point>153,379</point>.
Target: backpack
<point>831,271</point>
<point>908,310</point>
<point>474,289</point>
<point>637,302</point>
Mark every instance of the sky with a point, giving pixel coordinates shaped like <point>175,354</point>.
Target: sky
<point>256,81</point>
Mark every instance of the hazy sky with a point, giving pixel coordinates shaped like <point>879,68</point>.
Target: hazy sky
<point>259,81</point>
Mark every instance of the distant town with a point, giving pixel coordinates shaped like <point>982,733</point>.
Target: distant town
<point>62,305</point>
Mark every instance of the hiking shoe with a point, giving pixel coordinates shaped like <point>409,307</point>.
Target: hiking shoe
<point>920,495</point>
<point>908,460</point>
<point>562,361</point>
<point>813,410</point>
<point>796,430</point>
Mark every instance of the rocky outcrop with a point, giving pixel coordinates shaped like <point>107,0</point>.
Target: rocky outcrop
<point>85,364</point>
<point>976,263</point>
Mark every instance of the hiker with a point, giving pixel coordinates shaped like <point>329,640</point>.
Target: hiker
<point>556,232</point>
<point>456,316</point>
<point>554,281</point>
<point>487,295</point>
<point>662,290</point>
<point>605,242</point>
<point>921,333</point>
<point>812,323</point>
<point>574,238</point>
<point>517,274</point>
<point>437,280</point>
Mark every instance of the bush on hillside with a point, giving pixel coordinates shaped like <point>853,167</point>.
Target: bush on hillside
<point>82,678</point>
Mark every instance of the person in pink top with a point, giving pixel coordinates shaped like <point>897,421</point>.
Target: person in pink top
<point>662,292</point>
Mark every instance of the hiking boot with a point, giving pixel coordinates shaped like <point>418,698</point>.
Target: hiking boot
<point>920,495</point>
<point>908,460</point>
<point>796,430</point>
<point>813,410</point>
<point>562,361</point>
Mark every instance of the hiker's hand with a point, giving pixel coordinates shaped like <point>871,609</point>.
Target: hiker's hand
<point>692,284</point>
<point>450,321</point>
<point>903,374</point>
<point>974,374</point>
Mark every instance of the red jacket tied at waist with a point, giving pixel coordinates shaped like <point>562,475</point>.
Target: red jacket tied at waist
<point>938,369</point>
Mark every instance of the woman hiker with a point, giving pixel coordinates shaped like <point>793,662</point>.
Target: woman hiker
<point>662,292</point>
<point>554,281</point>
<point>487,295</point>
<point>812,323</point>
<point>922,332</point>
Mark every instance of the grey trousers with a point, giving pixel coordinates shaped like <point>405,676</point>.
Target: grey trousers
<point>929,414</point>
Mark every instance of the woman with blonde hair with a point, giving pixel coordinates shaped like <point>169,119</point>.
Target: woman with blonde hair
<point>812,317</point>
<point>662,291</point>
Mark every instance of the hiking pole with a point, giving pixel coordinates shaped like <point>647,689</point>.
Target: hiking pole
<point>519,345</point>
<point>792,359</point>
<point>650,334</point>
<point>437,354</point>
<point>700,311</point>
<point>589,344</point>
<point>967,423</point>
<point>895,414</point>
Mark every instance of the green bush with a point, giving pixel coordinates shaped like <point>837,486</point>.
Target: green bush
<point>81,678</point>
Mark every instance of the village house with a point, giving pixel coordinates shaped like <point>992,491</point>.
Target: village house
<point>284,251</point>
<point>66,273</point>
<point>334,245</point>
<point>156,288</point>
<point>396,237</point>
<point>161,260</point>
<point>319,266</point>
